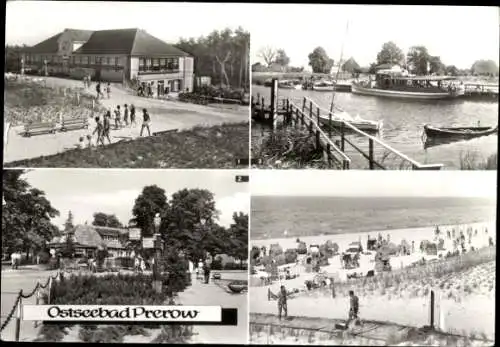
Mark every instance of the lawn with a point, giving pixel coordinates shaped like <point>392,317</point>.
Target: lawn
<point>26,101</point>
<point>215,147</point>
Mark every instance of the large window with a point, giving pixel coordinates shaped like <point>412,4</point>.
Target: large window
<point>117,61</point>
<point>92,60</point>
<point>108,60</point>
<point>142,64</point>
<point>85,60</point>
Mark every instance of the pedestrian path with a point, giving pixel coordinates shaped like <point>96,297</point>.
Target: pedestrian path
<point>211,294</point>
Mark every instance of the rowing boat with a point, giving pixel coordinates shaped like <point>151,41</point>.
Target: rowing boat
<point>458,132</point>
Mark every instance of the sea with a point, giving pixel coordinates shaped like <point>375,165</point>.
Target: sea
<point>403,122</point>
<point>314,216</point>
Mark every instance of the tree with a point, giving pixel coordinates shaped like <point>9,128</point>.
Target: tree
<point>319,61</point>
<point>436,66</point>
<point>151,201</point>
<point>484,67</point>
<point>237,245</point>
<point>351,66</point>
<point>222,55</point>
<point>390,54</point>
<point>373,68</point>
<point>106,220</point>
<point>190,222</point>
<point>258,67</point>
<point>68,225</point>
<point>13,56</point>
<point>26,215</point>
<point>418,60</point>
<point>281,58</point>
<point>452,70</point>
<point>268,54</point>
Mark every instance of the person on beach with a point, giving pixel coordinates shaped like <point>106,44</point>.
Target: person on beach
<point>413,246</point>
<point>85,82</point>
<point>118,121</point>
<point>282,302</point>
<point>108,90</point>
<point>99,129</point>
<point>125,114</point>
<point>354,308</point>
<point>146,120</point>
<point>132,115</point>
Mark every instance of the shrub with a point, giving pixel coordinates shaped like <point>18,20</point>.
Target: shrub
<point>302,248</point>
<point>291,256</point>
<point>216,264</point>
<point>125,262</point>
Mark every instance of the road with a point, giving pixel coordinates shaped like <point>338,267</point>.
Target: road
<point>165,115</point>
<point>211,294</point>
<point>12,282</point>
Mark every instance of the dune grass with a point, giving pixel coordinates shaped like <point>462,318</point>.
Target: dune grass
<point>216,147</point>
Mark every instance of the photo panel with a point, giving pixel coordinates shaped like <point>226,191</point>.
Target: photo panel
<point>142,239</point>
<point>357,93</point>
<point>165,94</point>
<point>360,258</point>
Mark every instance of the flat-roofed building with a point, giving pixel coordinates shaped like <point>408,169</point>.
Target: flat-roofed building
<point>120,55</point>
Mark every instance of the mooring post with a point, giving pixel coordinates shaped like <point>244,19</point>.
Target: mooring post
<point>296,117</point>
<point>310,109</point>
<point>329,125</point>
<point>370,153</point>
<point>318,145</point>
<point>342,136</point>
<point>304,104</point>
<point>317,115</point>
<point>50,290</point>
<point>18,315</point>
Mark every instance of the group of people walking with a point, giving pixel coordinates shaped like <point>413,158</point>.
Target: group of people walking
<point>121,118</point>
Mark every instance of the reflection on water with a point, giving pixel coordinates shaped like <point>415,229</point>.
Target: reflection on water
<point>404,121</point>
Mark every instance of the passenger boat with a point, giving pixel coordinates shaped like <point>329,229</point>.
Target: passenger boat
<point>396,85</point>
<point>458,132</point>
<point>340,116</point>
<point>323,86</point>
<point>289,84</point>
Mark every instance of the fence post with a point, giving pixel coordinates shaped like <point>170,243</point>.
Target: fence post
<point>330,125</point>
<point>304,104</point>
<point>78,98</point>
<point>310,109</point>
<point>317,138</point>
<point>317,116</point>
<point>370,153</point>
<point>37,300</point>
<point>18,316</point>
<point>431,310</point>
<point>50,290</point>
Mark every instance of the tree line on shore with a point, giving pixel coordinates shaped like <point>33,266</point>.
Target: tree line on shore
<point>189,222</point>
<point>418,60</point>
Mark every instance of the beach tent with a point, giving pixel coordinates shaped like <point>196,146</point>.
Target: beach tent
<point>302,248</point>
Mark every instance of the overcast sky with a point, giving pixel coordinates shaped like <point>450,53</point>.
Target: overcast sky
<point>358,183</point>
<point>85,192</point>
<point>459,35</point>
<point>167,21</point>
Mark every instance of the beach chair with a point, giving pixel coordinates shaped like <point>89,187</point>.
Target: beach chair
<point>39,128</point>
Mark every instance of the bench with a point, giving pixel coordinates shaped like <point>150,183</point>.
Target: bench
<point>39,128</point>
<point>74,123</point>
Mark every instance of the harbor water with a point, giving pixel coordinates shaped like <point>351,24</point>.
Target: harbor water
<point>403,122</point>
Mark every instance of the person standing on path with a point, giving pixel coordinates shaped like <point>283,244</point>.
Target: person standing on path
<point>146,121</point>
<point>206,272</point>
<point>108,90</point>
<point>118,121</point>
<point>99,129</point>
<point>282,302</point>
<point>98,89</point>
<point>132,115</point>
<point>107,126</point>
<point>125,114</point>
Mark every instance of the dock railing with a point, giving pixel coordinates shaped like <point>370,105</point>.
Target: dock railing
<point>346,128</point>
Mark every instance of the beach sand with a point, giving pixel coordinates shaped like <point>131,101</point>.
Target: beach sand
<point>467,297</point>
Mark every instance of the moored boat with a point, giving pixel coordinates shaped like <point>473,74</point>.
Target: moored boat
<point>396,85</point>
<point>458,132</point>
<point>323,86</point>
<point>237,286</point>
<point>289,84</point>
<point>340,116</point>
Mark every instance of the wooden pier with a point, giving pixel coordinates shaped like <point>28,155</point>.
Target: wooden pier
<point>335,143</point>
<point>483,92</point>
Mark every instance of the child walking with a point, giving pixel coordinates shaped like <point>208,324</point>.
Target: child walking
<point>118,117</point>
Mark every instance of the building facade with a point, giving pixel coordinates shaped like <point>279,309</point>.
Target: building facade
<point>122,55</point>
<point>88,238</point>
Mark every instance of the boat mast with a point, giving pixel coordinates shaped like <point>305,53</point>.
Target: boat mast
<point>332,105</point>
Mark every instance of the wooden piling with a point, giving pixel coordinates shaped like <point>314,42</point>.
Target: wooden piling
<point>370,154</point>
